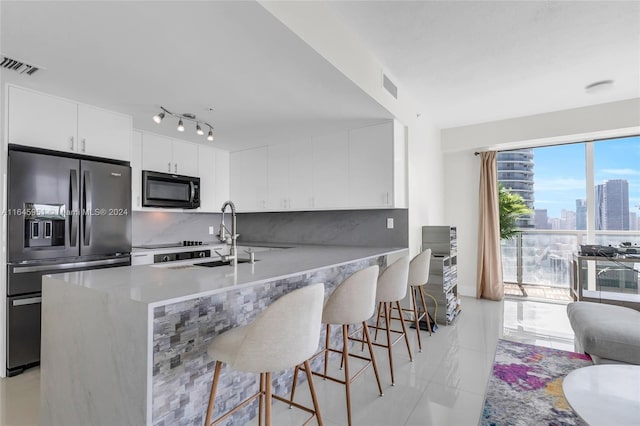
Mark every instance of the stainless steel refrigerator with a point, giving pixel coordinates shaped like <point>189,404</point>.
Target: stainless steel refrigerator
<point>64,213</point>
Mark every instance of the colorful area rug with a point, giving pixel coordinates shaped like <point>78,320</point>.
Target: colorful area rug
<point>525,387</point>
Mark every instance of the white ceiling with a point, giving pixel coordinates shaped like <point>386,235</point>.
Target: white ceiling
<point>467,62</point>
<point>266,85</point>
<point>462,62</point>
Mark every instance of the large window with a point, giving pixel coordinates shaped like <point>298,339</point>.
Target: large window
<point>579,193</point>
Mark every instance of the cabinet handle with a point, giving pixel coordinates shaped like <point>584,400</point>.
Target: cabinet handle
<point>387,198</point>
<point>175,168</point>
<point>138,198</point>
<point>71,143</point>
<point>169,166</point>
<point>84,144</point>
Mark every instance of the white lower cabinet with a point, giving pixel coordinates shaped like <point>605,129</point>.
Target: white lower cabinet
<point>141,259</point>
<point>249,179</point>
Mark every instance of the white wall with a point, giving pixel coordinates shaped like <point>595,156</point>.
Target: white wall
<point>462,168</point>
<point>426,183</point>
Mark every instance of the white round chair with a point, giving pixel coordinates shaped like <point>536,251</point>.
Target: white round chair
<point>284,335</point>
<point>392,288</point>
<point>352,302</point>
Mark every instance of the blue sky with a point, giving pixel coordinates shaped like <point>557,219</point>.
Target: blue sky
<point>560,172</point>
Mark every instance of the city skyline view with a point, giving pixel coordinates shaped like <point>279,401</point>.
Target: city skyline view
<point>560,177</point>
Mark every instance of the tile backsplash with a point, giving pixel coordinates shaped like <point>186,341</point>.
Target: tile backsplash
<point>336,227</point>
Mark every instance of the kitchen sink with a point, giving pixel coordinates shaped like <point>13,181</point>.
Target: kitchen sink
<point>216,263</point>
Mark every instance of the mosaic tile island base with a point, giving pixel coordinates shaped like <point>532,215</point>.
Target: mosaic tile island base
<point>128,345</point>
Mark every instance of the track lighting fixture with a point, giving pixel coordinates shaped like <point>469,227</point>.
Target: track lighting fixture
<point>186,116</point>
<point>158,117</point>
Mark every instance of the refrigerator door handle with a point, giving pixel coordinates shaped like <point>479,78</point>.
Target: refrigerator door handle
<point>87,210</point>
<point>73,218</point>
<point>29,301</point>
<point>193,191</point>
<point>62,266</point>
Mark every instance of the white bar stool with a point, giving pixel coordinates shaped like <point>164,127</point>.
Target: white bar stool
<point>352,302</point>
<point>392,288</point>
<point>418,276</point>
<point>284,335</point>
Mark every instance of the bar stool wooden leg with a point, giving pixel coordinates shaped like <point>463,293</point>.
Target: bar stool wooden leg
<point>312,388</point>
<point>404,330</point>
<point>267,401</point>
<point>424,306</point>
<point>373,356</point>
<point>293,386</point>
<point>261,400</point>
<point>347,379</point>
<point>416,316</point>
<point>214,389</point>
<point>375,336</point>
<point>387,315</point>
<point>326,349</point>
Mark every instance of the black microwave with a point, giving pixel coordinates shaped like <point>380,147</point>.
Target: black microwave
<point>170,191</point>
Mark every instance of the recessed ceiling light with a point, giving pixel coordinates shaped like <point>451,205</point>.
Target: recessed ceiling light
<point>599,86</point>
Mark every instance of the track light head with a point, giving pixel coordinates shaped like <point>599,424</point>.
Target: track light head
<point>180,126</point>
<point>210,135</point>
<point>158,117</point>
<point>199,129</point>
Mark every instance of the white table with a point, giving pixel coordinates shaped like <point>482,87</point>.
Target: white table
<point>605,395</point>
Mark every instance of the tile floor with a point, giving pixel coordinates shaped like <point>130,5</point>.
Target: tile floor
<point>444,385</point>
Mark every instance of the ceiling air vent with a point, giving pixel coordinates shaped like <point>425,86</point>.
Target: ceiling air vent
<point>17,65</point>
<point>389,86</point>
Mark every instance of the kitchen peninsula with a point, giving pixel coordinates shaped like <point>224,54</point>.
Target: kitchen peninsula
<point>129,345</point>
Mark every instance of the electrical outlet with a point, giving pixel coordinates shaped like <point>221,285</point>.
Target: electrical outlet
<point>389,223</point>
<point>211,230</point>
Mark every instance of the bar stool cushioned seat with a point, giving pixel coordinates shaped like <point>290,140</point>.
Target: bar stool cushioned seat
<point>285,335</point>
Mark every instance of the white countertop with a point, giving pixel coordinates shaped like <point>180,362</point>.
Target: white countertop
<point>177,249</point>
<point>158,286</point>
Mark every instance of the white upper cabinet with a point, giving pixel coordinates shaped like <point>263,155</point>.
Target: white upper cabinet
<point>157,153</point>
<point>103,133</point>
<point>371,166</point>
<point>167,155</point>
<point>278,177</point>
<point>301,175</point>
<point>361,168</point>
<point>136,170</point>
<point>222,177</point>
<point>207,174</point>
<point>185,158</point>
<point>44,121</point>
<point>330,171</point>
<point>249,179</point>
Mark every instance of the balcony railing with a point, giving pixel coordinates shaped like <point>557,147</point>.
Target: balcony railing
<point>543,257</point>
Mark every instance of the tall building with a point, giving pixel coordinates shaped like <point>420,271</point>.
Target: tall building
<point>581,214</point>
<point>541,219</point>
<point>515,172</point>
<point>612,205</point>
<point>633,221</point>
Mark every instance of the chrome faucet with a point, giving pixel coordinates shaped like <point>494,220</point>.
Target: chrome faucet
<point>233,235</point>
